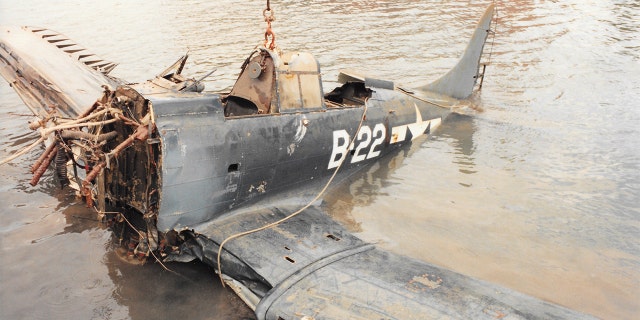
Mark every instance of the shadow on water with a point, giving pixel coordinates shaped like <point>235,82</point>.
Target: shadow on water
<point>61,262</point>
<point>460,128</point>
<point>362,188</point>
<point>152,292</point>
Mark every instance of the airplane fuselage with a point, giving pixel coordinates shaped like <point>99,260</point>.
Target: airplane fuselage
<point>212,164</point>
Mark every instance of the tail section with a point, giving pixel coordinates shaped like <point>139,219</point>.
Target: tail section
<point>460,81</point>
<point>48,70</point>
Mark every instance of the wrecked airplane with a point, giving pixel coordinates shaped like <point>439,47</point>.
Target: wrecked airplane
<point>234,178</point>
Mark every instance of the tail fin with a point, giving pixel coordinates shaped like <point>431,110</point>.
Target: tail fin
<point>460,81</point>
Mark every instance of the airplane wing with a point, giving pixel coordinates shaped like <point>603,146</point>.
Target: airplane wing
<point>48,70</point>
<point>311,266</point>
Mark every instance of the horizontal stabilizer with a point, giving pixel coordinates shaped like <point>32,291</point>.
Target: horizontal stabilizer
<point>352,76</point>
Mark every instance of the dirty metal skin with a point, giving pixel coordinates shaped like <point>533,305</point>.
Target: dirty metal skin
<point>185,170</point>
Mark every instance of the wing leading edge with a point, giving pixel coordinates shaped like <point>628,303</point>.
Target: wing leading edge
<point>48,70</point>
<point>311,266</point>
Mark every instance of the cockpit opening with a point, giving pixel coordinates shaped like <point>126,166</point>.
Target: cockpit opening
<point>349,94</point>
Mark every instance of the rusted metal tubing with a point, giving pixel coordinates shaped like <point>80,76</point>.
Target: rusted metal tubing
<point>43,156</point>
<point>86,192</point>
<point>71,134</point>
<point>92,175</point>
<point>141,133</point>
<point>89,110</point>
<point>127,120</point>
<point>43,166</point>
<point>127,142</point>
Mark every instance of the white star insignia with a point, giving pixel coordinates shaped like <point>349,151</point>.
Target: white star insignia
<point>399,133</point>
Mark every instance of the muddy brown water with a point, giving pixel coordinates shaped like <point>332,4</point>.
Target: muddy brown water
<point>536,187</point>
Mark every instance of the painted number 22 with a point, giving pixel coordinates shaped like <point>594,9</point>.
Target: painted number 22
<point>364,142</point>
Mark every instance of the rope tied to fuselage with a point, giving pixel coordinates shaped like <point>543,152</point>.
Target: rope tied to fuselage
<point>318,195</point>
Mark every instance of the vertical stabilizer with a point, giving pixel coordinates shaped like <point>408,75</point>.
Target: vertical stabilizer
<point>460,81</point>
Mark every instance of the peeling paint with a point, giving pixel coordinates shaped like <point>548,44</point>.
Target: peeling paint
<point>421,283</point>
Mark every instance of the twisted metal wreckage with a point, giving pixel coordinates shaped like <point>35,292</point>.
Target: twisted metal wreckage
<point>233,178</point>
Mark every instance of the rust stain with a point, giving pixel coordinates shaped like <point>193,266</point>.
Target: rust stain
<point>423,282</point>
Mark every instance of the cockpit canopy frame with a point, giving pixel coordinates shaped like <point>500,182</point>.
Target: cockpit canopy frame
<point>271,82</point>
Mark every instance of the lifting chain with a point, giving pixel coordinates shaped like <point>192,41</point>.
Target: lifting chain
<point>269,35</point>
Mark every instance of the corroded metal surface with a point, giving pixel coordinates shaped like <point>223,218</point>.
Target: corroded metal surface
<point>310,266</point>
<point>49,71</point>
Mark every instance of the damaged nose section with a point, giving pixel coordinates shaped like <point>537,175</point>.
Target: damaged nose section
<point>113,164</point>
